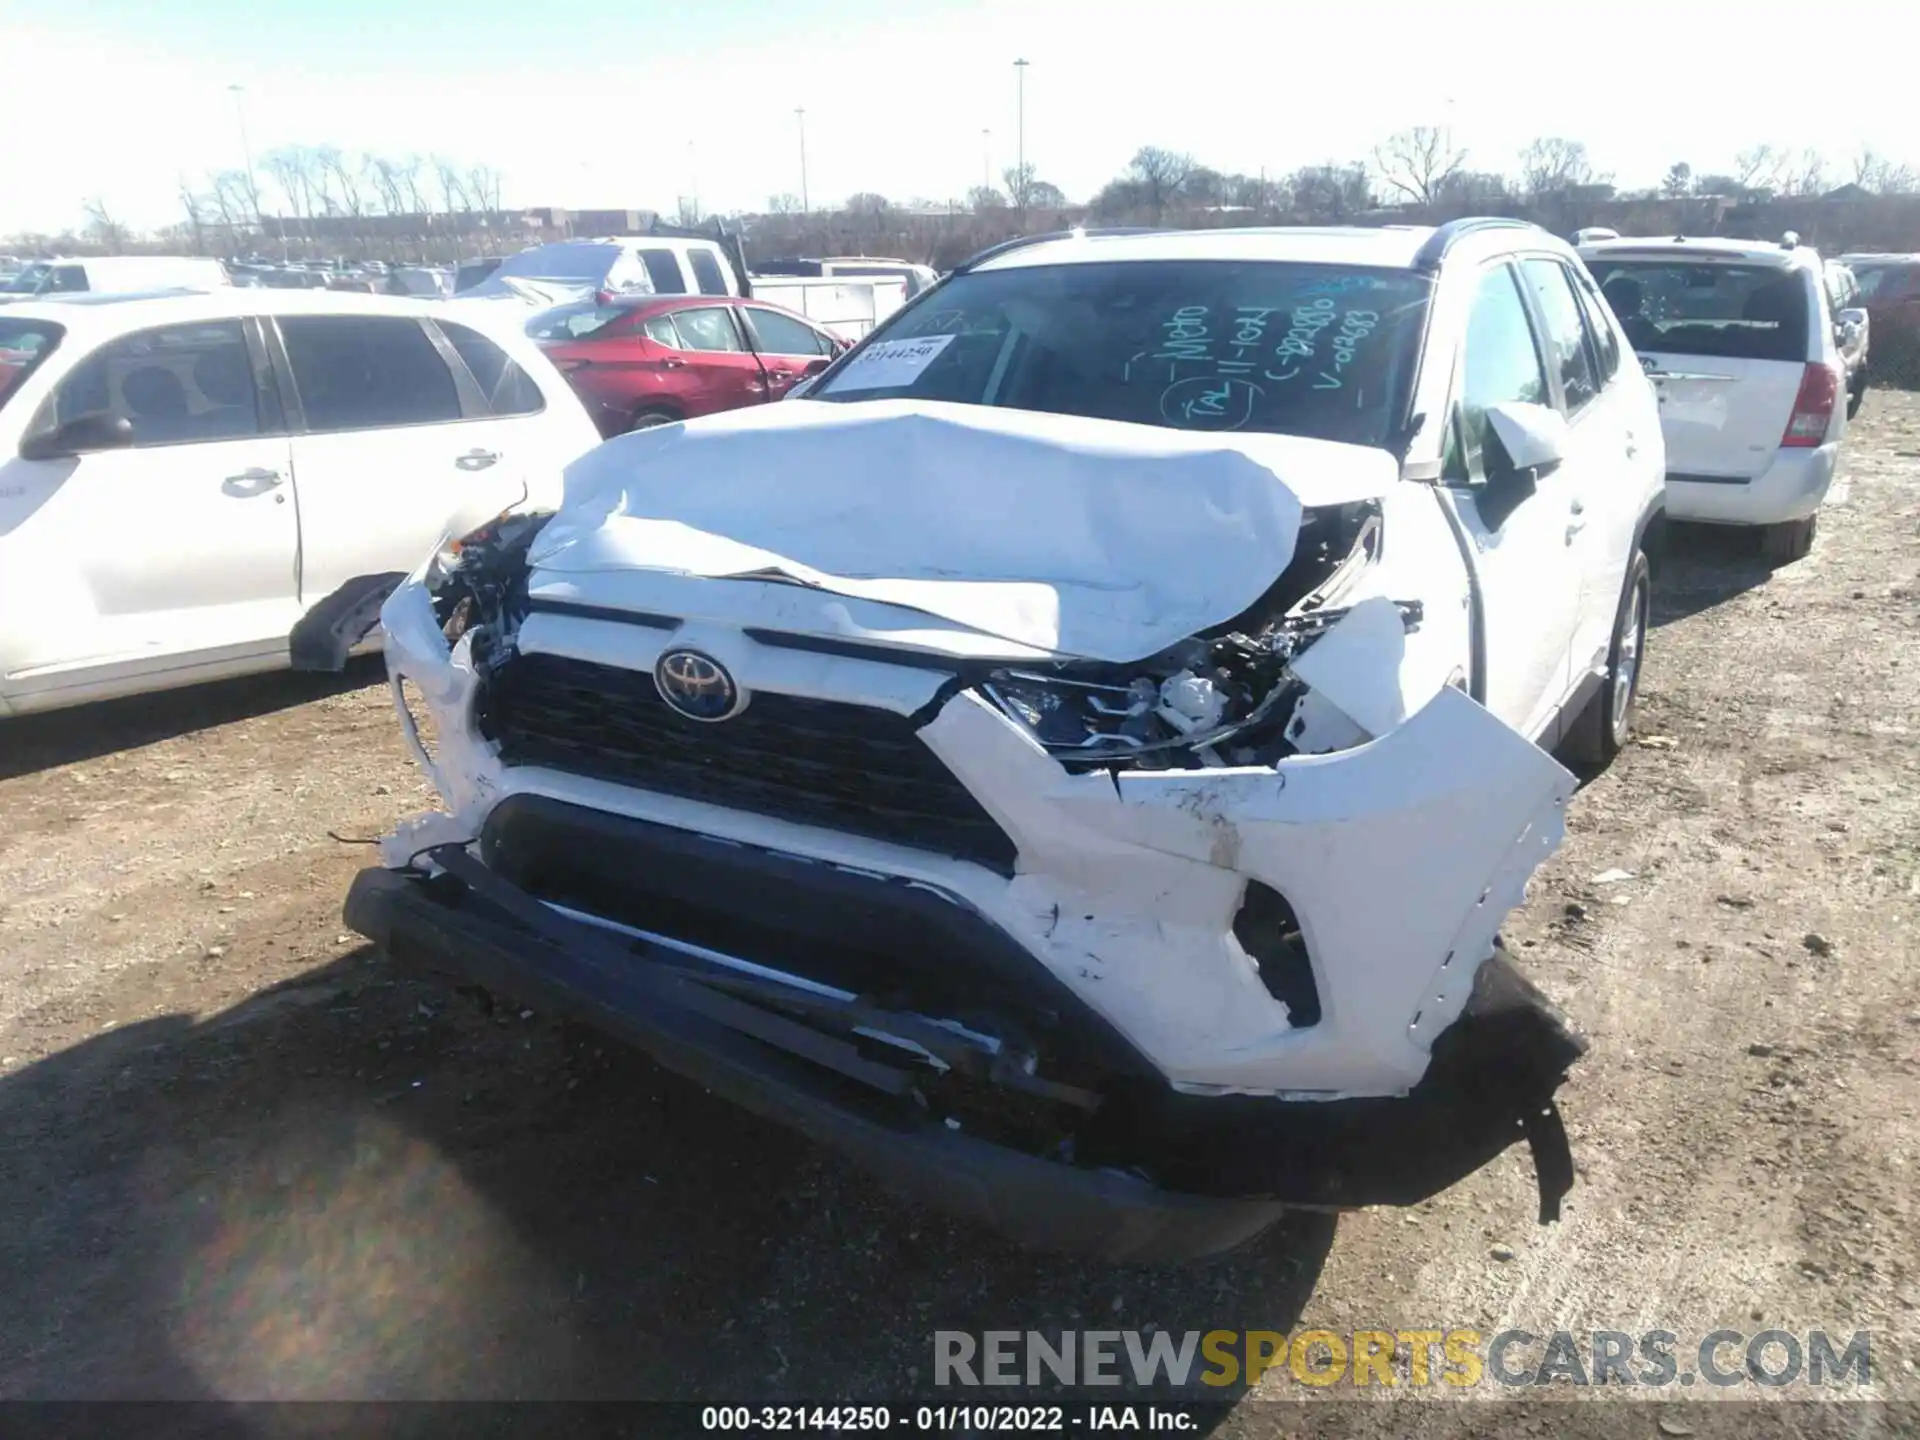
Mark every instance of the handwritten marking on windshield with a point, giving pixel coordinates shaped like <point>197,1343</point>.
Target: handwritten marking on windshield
<point>1208,402</point>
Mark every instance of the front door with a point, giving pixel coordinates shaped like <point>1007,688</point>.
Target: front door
<point>1518,528</point>
<point>789,348</point>
<point>177,552</point>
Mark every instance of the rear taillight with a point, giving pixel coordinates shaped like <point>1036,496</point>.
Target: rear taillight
<point>1812,407</point>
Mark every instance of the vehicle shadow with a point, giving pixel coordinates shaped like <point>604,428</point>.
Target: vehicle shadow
<point>361,1186</point>
<point>1703,566</point>
<point>30,743</point>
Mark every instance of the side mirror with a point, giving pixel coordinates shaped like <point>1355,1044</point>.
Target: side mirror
<point>1852,318</point>
<point>96,430</point>
<point>1533,437</point>
<point>815,366</point>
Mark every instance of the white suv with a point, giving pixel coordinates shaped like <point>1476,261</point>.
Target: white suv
<point>1076,761</point>
<point>195,486</point>
<point>1740,340</point>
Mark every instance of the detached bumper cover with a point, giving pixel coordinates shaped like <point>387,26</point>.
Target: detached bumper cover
<point>1224,1166</point>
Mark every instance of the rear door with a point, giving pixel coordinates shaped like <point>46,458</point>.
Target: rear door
<point>531,436</point>
<point>178,551</point>
<point>1726,343</point>
<point>717,369</point>
<point>789,348</point>
<point>393,443</point>
<point>1603,478</point>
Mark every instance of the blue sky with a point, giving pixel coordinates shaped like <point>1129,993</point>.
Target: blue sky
<point>636,102</point>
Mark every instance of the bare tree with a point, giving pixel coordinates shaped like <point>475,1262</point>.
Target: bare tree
<point>1551,165</point>
<point>867,203</point>
<point>1806,175</point>
<point>1160,176</point>
<point>1678,181</point>
<point>1873,171</point>
<point>383,174</point>
<point>453,185</point>
<point>1045,195</point>
<point>410,170</point>
<point>195,206</point>
<point>1331,192</point>
<point>483,185</point>
<point>1759,167</point>
<point>985,197</point>
<point>1417,163</point>
<point>102,228</point>
<point>785,203</point>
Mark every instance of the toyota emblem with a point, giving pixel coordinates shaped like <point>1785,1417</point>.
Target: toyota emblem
<point>696,685</point>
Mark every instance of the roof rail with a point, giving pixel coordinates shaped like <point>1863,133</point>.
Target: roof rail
<point>1020,242</point>
<point>1435,248</point>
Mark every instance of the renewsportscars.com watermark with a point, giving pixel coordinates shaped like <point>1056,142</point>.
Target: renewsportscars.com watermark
<point>1458,1358</point>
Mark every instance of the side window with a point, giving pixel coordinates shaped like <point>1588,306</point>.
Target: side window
<point>706,272</point>
<point>69,278</point>
<point>1567,348</point>
<point>707,329</point>
<point>358,372</point>
<point>663,270</point>
<point>777,334</point>
<point>177,385</point>
<point>507,387</point>
<point>1502,363</point>
<point>1606,341</point>
<point>660,330</point>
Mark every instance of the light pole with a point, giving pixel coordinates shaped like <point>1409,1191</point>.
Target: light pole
<point>246,149</point>
<point>1020,147</point>
<point>800,114</point>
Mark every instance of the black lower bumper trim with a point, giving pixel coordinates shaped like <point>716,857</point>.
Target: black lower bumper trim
<point>1118,1217</point>
<point>1223,1167</point>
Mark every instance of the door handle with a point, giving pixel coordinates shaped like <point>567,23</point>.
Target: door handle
<point>1633,445</point>
<point>1578,522</point>
<point>477,459</point>
<point>252,481</point>
<point>671,364</point>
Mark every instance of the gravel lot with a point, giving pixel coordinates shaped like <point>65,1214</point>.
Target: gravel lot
<point>238,1159</point>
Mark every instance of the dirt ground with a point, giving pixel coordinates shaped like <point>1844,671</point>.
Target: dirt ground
<point>239,1159</point>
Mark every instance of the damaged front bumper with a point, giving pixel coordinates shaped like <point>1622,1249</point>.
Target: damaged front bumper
<point>1150,1174</point>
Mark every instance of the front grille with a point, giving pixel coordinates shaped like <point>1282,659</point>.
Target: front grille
<point>816,762</point>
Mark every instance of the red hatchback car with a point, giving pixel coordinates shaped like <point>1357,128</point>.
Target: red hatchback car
<point>655,360</point>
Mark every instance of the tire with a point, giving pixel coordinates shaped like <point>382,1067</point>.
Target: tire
<point>648,419</point>
<point>1604,725</point>
<point>1783,544</point>
<point>1856,394</point>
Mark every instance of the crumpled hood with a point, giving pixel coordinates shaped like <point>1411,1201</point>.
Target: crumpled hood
<point>1089,538</point>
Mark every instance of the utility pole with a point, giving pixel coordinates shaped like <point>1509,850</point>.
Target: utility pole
<point>1020,151</point>
<point>246,149</point>
<point>800,114</point>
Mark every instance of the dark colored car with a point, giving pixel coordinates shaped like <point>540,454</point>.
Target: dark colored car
<point>470,273</point>
<point>655,360</point>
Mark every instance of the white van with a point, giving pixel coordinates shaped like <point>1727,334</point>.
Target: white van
<point>115,275</point>
<point>615,265</point>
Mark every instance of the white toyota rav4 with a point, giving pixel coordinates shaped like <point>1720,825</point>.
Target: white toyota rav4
<point>1076,760</point>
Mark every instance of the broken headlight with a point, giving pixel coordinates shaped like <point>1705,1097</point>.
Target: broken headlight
<point>1197,704</point>
<point>480,579</point>
<point>1224,700</point>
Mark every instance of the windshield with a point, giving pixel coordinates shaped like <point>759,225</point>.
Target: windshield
<point>575,321</point>
<point>23,345</point>
<point>30,281</point>
<point>566,260</point>
<point>1314,350</point>
<point>1736,312</point>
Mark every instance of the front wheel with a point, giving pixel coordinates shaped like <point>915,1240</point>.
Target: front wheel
<point>1856,393</point>
<point>649,419</point>
<point>1604,725</point>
